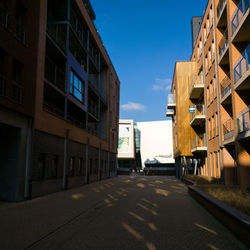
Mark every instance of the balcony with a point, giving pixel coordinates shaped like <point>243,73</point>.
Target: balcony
<point>4,18</point>
<point>226,90</point>
<point>54,74</point>
<point>243,124</point>
<point>198,116</point>
<point>240,22</point>
<point>2,85</point>
<point>93,108</point>
<point>197,88</point>
<point>53,110</point>
<point>221,13</point>
<point>20,33</point>
<point>58,32</point>
<point>170,112</point>
<point>228,132</point>
<point>199,144</point>
<point>223,49</point>
<point>171,101</point>
<point>17,94</point>
<point>242,72</point>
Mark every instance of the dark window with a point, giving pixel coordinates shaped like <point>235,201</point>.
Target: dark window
<point>96,166</point>
<point>41,166</point>
<point>76,87</point>
<point>72,167</point>
<point>90,166</point>
<point>54,166</point>
<point>20,32</point>
<point>80,162</point>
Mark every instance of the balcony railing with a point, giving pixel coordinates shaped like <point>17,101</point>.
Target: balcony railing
<point>220,7</point>
<point>171,99</point>
<point>54,74</point>
<point>196,83</point>
<point>17,94</point>
<point>55,111</point>
<point>76,122</point>
<point>93,108</point>
<point>243,64</point>
<point>199,110</point>
<point>228,129</point>
<point>225,85</point>
<point>2,85</point>
<point>20,33</point>
<point>198,141</point>
<point>58,33</point>
<point>243,121</point>
<point>242,7</point>
<point>78,28</point>
<point>223,44</point>
<point>4,18</point>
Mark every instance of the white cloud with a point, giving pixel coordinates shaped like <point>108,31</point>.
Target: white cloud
<point>133,106</point>
<point>162,84</point>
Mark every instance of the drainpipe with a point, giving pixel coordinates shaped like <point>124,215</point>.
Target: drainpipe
<point>65,161</point>
<point>28,180</point>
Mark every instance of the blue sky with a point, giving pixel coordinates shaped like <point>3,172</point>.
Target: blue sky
<point>144,40</point>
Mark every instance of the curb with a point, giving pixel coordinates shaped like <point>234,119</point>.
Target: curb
<point>236,221</point>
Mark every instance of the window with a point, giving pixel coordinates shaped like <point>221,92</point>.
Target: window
<point>41,166</point>
<point>208,96</point>
<point>214,87</point>
<point>80,162</point>
<point>54,166</point>
<point>213,126</point>
<point>211,87</point>
<point>72,167</point>
<point>209,57</point>
<point>96,167</point>
<point>76,87</point>
<point>205,34</point>
<point>209,129</point>
<point>216,124</point>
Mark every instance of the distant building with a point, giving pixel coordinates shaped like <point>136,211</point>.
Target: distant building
<point>145,145</point>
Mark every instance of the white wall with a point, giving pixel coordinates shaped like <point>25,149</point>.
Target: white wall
<point>156,141</point>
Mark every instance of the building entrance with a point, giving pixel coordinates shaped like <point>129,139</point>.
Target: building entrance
<point>9,160</point>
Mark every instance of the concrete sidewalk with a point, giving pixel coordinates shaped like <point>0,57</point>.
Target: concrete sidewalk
<point>122,213</point>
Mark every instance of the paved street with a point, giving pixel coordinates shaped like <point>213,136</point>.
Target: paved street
<point>122,213</point>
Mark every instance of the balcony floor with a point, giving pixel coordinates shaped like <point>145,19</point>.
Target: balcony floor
<point>196,92</point>
<point>242,33</point>
<point>199,150</point>
<point>198,120</point>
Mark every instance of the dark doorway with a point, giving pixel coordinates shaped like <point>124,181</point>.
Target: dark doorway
<point>9,161</point>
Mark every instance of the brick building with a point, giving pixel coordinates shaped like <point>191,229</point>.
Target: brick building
<point>220,92</point>
<point>59,98</point>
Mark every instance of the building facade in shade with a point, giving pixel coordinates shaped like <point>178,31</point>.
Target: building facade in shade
<point>222,78</point>
<point>59,98</point>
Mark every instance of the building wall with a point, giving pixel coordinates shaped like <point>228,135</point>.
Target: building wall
<point>83,150</point>
<point>156,141</point>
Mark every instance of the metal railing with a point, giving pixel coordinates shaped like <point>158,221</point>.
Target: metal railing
<point>243,121</point>
<point>17,94</point>
<point>78,27</point>
<point>199,110</point>
<point>2,85</point>
<point>59,33</point>
<point>198,141</point>
<point>242,7</point>
<point>169,110</point>
<point>54,74</point>
<point>4,18</point>
<point>20,33</point>
<point>55,111</point>
<point>76,122</point>
<point>225,85</point>
<point>93,108</point>
<point>242,66</point>
<point>228,129</point>
<point>223,44</point>
<point>220,7</point>
<point>171,99</point>
<point>197,82</point>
